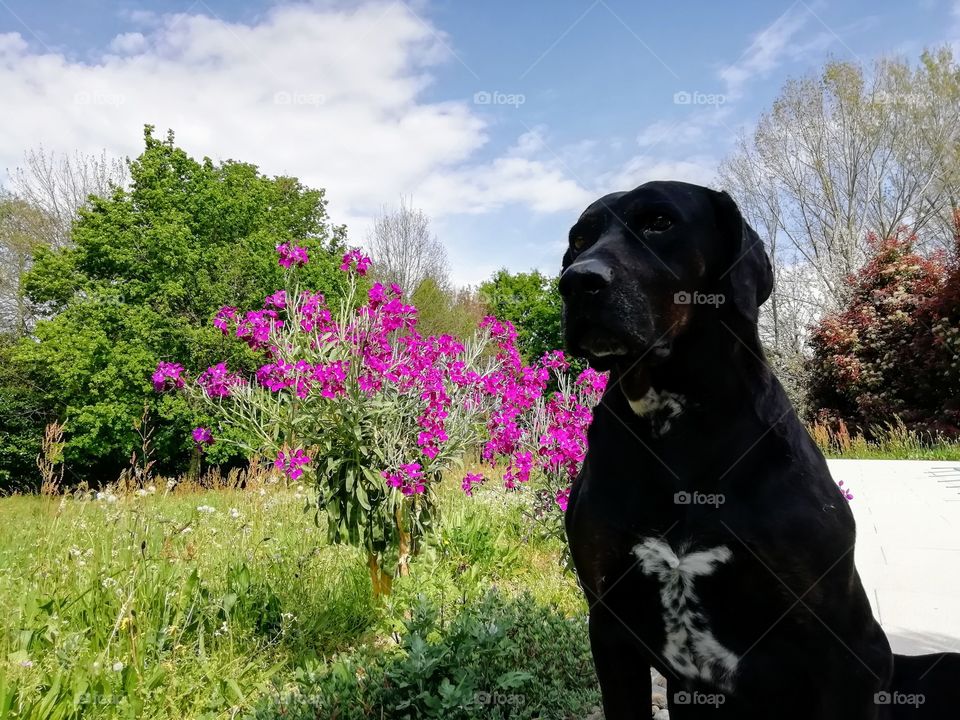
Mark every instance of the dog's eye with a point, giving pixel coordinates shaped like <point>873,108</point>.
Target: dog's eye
<point>659,223</point>
<point>578,242</point>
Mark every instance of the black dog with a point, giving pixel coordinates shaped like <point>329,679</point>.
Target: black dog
<point>708,535</point>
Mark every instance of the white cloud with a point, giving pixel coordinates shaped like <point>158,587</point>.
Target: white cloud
<point>698,169</point>
<point>528,174</point>
<point>766,51</point>
<point>127,43</point>
<point>700,125</point>
<point>332,94</point>
<point>538,184</point>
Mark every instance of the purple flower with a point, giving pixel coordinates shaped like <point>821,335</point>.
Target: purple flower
<point>393,479</point>
<point>292,255</point>
<point>356,261</point>
<point>277,300</point>
<point>257,327</point>
<point>377,295</point>
<point>167,376</point>
<point>225,315</point>
<point>217,381</point>
<point>846,492</point>
<point>369,384</point>
<point>276,376</point>
<point>314,314</point>
<point>202,436</point>
<point>555,360</point>
<point>292,463</point>
<point>469,480</point>
<point>592,382</point>
<point>409,480</point>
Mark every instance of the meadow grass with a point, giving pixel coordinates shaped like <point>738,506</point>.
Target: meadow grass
<point>197,604</point>
<point>893,441</point>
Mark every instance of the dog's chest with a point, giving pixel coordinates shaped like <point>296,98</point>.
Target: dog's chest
<point>690,647</point>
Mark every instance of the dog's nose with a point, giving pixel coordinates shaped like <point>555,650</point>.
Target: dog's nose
<point>585,277</point>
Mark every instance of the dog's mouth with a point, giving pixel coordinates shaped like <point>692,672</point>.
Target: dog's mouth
<point>607,351</point>
<point>603,347</point>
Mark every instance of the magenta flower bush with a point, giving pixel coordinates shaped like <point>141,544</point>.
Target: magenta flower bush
<point>354,398</point>
<point>541,437</point>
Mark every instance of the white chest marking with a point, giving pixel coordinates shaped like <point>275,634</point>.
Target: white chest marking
<point>661,406</point>
<point>690,647</point>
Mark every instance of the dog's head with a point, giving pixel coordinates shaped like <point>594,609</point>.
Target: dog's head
<point>642,265</point>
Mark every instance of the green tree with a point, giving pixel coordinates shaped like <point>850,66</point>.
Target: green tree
<point>443,311</point>
<point>149,267</point>
<point>532,303</point>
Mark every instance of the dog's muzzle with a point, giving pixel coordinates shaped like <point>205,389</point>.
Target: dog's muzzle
<point>605,318</point>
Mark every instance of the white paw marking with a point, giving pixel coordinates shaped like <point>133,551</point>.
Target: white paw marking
<point>690,647</point>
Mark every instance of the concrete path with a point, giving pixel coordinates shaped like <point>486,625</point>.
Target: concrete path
<point>908,547</point>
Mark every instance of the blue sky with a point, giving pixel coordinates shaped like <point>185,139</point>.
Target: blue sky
<point>501,119</point>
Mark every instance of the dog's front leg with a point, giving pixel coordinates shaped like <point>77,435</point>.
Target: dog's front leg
<point>623,668</point>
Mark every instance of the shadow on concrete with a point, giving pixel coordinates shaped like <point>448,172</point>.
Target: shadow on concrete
<point>912,642</point>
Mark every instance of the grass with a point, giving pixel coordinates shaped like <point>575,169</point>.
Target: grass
<point>893,441</point>
<point>200,604</point>
<point>221,603</point>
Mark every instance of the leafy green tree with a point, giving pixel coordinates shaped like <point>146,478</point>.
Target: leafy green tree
<point>444,311</point>
<point>532,303</point>
<point>149,268</point>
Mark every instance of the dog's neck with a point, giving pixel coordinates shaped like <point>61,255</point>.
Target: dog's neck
<point>717,369</point>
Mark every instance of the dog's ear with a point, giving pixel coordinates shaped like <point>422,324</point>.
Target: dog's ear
<point>748,276</point>
<point>567,259</point>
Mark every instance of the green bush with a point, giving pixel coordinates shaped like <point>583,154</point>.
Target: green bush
<point>499,657</point>
<point>22,418</point>
<point>148,269</point>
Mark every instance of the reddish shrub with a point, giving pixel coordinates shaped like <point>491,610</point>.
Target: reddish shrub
<point>894,351</point>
